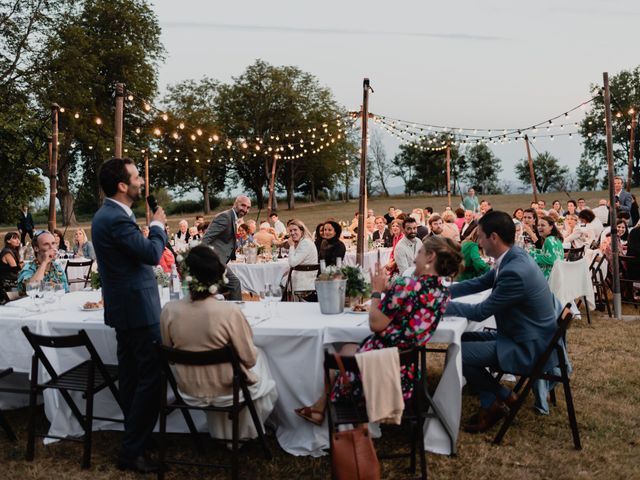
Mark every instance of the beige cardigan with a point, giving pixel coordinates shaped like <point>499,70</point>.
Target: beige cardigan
<point>205,325</point>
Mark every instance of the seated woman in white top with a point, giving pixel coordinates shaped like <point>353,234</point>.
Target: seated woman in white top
<point>302,251</point>
<point>585,232</point>
<point>202,323</point>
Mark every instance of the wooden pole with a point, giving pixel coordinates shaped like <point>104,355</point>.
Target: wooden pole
<point>119,120</point>
<point>449,175</point>
<point>632,147</point>
<point>146,188</point>
<point>272,183</point>
<point>53,167</point>
<point>617,299</point>
<point>533,177</point>
<point>363,172</point>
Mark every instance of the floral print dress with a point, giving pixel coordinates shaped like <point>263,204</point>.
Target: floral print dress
<point>551,251</point>
<point>415,306</point>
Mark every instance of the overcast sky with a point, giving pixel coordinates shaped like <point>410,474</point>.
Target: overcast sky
<point>480,64</point>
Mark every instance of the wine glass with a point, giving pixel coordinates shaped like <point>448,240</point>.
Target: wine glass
<point>33,289</point>
<point>48,292</point>
<point>58,289</point>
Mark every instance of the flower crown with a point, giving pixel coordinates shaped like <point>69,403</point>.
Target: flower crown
<point>193,283</point>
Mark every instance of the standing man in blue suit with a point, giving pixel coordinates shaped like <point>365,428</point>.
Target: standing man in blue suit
<point>131,303</point>
<point>525,311</point>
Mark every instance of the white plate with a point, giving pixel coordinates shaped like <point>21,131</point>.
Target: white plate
<point>91,309</point>
<point>355,312</point>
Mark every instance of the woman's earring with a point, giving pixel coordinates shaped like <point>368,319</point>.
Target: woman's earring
<point>427,266</point>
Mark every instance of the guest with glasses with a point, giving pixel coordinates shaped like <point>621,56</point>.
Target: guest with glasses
<point>44,267</point>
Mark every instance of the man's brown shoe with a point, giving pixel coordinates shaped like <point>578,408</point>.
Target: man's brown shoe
<point>486,417</point>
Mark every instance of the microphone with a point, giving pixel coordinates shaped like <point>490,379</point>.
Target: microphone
<point>153,204</point>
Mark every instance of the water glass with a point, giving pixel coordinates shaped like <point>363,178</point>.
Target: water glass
<point>58,289</point>
<point>33,289</point>
<point>48,293</point>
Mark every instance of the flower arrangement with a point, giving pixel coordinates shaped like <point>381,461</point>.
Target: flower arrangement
<point>357,284</point>
<point>192,283</point>
<point>161,276</point>
<point>95,281</point>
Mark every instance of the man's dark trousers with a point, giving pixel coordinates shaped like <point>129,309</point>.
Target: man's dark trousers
<point>139,370</point>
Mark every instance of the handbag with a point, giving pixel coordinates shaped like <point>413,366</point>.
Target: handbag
<point>353,456</point>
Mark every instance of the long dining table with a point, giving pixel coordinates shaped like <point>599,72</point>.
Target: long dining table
<point>292,335</point>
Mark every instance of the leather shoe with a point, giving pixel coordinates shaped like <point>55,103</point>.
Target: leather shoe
<point>140,464</point>
<point>511,400</point>
<point>487,417</point>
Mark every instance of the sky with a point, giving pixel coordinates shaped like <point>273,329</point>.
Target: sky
<point>478,64</point>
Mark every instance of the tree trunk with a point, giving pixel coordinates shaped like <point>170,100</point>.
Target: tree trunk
<point>259,196</point>
<point>65,196</point>
<point>383,185</point>
<point>313,190</point>
<point>291,190</point>
<point>205,196</point>
<point>346,187</point>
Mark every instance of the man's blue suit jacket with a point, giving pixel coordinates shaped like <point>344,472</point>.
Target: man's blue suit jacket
<point>525,310</point>
<point>125,262</point>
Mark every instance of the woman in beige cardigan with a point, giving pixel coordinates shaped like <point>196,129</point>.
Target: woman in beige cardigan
<point>201,323</point>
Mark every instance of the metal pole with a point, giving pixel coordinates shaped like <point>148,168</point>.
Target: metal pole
<point>363,172</point>
<point>632,147</point>
<point>272,183</point>
<point>533,177</point>
<point>449,175</point>
<point>146,188</point>
<point>617,299</point>
<point>53,167</point>
<point>119,120</point>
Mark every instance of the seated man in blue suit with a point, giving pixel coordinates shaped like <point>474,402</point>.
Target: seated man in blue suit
<point>526,315</point>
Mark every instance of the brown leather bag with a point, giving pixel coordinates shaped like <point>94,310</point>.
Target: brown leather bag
<point>353,456</point>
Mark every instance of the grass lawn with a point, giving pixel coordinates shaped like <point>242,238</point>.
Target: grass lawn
<point>606,388</point>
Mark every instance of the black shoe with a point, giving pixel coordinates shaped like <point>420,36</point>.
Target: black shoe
<point>140,464</point>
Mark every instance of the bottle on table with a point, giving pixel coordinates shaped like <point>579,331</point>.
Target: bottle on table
<point>175,289</point>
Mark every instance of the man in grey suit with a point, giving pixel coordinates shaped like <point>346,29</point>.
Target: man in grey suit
<point>525,311</point>
<point>624,200</point>
<point>131,304</point>
<point>221,235</point>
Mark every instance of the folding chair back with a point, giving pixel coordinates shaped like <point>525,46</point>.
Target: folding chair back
<point>289,295</point>
<point>224,355</point>
<point>629,267</point>
<point>353,410</point>
<point>86,279</point>
<point>557,345</point>
<point>88,377</point>
<point>573,254</point>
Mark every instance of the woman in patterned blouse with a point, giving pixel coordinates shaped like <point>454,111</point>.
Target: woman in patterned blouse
<point>409,313</point>
<point>552,249</point>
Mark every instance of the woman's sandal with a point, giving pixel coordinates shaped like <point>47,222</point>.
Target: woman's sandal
<point>308,414</point>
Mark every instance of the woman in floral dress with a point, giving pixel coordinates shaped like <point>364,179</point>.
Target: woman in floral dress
<point>552,249</point>
<point>407,316</point>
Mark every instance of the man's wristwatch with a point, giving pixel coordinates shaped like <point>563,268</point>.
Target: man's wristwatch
<point>377,295</point>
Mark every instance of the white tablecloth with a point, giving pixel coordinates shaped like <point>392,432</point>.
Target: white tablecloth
<point>254,276</point>
<point>571,280</point>
<point>370,258</point>
<point>293,337</point>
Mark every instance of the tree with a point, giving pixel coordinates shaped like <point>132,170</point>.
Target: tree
<point>587,173</point>
<point>482,168</point>
<point>625,101</point>
<point>421,165</point>
<point>548,173</point>
<point>100,44</point>
<point>266,102</point>
<point>378,162</point>
<point>200,158</point>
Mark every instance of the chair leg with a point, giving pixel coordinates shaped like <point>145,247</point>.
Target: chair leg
<point>88,430</point>
<point>4,423</point>
<point>552,396</point>
<point>31,424</point>
<point>413,441</point>
<point>512,413</point>
<point>163,430</point>
<point>234,442</point>
<point>570,410</point>
<point>423,454</point>
<point>586,307</point>
<point>256,422</point>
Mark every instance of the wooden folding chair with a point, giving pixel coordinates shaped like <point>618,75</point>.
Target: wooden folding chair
<point>573,254</point>
<point>289,295</point>
<point>88,377</point>
<point>525,384</point>
<point>226,354</point>
<point>86,280</point>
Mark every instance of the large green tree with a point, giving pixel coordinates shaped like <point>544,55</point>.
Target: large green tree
<point>548,173</point>
<point>102,43</point>
<point>422,168</point>
<point>198,148</point>
<point>262,104</point>
<point>482,168</point>
<point>625,102</point>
